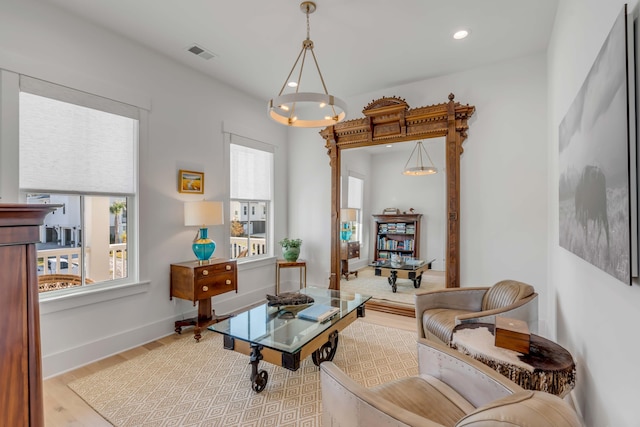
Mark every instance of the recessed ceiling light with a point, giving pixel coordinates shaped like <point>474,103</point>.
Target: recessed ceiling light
<point>459,35</point>
<point>389,146</point>
<point>292,84</point>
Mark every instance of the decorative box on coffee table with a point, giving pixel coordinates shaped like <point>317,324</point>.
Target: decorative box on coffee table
<point>512,334</point>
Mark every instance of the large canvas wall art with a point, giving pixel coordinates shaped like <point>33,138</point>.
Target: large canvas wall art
<point>594,182</point>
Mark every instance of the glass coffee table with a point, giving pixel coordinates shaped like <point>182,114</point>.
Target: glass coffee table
<point>276,335</point>
<point>404,271</point>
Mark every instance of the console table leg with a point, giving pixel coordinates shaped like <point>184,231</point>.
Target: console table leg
<point>258,378</point>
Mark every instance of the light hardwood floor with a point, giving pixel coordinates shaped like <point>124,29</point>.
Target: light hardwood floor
<point>62,407</point>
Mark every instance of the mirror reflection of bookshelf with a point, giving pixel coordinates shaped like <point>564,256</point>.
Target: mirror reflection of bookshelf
<point>397,235</point>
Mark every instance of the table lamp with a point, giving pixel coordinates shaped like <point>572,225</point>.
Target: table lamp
<point>347,216</point>
<point>202,214</point>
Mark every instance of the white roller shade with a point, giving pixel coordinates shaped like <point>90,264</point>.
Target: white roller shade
<point>251,169</point>
<point>72,148</point>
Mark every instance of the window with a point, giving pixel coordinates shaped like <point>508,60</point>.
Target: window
<point>251,183</point>
<point>79,151</point>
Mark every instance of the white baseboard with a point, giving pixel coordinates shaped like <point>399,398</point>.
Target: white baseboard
<point>89,352</point>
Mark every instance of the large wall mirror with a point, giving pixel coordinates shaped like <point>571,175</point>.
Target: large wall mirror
<point>389,124</point>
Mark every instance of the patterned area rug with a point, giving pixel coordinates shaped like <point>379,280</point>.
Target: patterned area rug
<point>200,384</point>
<point>378,287</point>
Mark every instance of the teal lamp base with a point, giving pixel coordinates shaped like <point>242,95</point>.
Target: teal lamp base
<point>345,232</point>
<point>203,247</point>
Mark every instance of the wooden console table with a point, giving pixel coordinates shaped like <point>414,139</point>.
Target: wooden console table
<point>548,367</point>
<point>348,250</point>
<point>198,281</point>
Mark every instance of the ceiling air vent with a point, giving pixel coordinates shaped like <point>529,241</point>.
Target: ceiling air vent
<point>201,52</point>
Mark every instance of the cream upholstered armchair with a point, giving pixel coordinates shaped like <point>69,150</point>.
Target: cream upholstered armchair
<point>438,312</point>
<point>451,390</point>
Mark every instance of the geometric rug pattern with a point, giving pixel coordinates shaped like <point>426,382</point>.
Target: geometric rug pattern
<point>379,288</point>
<point>189,383</point>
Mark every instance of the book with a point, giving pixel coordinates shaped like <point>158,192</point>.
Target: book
<point>318,312</point>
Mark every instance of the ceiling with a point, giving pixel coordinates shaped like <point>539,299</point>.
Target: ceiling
<point>361,45</point>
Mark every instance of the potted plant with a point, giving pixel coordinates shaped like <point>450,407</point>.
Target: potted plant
<point>290,248</point>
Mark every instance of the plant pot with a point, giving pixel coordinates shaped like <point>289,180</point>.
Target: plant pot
<point>290,254</point>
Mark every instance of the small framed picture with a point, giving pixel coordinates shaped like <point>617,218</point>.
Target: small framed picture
<point>190,182</point>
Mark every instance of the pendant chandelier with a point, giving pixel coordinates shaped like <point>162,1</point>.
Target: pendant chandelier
<point>419,168</point>
<point>306,109</point>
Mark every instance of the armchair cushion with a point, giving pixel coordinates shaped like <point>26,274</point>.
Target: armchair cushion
<point>413,393</point>
<point>441,321</point>
<point>524,409</point>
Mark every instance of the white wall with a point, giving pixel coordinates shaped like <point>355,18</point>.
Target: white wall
<point>593,315</point>
<point>187,111</point>
<point>503,172</point>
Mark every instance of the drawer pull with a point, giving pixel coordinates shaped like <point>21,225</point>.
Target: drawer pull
<point>228,267</point>
<point>228,282</point>
<point>205,288</point>
<point>205,272</point>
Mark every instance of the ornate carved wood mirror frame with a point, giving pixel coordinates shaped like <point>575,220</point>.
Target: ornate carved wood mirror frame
<point>390,120</point>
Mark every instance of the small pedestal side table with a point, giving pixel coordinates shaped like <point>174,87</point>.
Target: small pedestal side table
<point>301,264</point>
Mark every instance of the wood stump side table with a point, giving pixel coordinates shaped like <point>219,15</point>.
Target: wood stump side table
<point>548,367</point>
<point>198,281</point>
<point>302,265</point>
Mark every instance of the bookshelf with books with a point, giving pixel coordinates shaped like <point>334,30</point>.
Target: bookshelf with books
<point>397,234</point>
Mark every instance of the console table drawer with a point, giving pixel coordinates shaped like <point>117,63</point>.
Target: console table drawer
<point>349,250</point>
<point>208,271</point>
<point>220,283</point>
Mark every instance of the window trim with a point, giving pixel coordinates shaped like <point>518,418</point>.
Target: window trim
<point>122,286</point>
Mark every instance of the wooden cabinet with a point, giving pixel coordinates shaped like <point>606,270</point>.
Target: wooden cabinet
<point>20,358</point>
<point>198,282</point>
<point>397,234</point>
<point>348,250</point>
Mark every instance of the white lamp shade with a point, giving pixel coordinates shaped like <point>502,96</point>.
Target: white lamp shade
<point>348,214</point>
<point>203,213</point>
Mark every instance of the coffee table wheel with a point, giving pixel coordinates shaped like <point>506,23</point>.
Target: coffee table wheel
<point>327,351</point>
<point>417,281</point>
<point>260,381</point>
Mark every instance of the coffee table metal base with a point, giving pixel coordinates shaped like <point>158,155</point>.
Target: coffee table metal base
<point>392,275</point>
<point>321,348</point>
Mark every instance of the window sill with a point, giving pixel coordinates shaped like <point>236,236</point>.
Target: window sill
<point>251,263</point>
<point>89,295</point>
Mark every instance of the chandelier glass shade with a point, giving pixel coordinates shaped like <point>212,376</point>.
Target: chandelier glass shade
<point>419,168</point>
<point>306,109</point>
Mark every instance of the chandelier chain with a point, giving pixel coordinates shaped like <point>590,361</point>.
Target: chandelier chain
<point>308,26</point>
